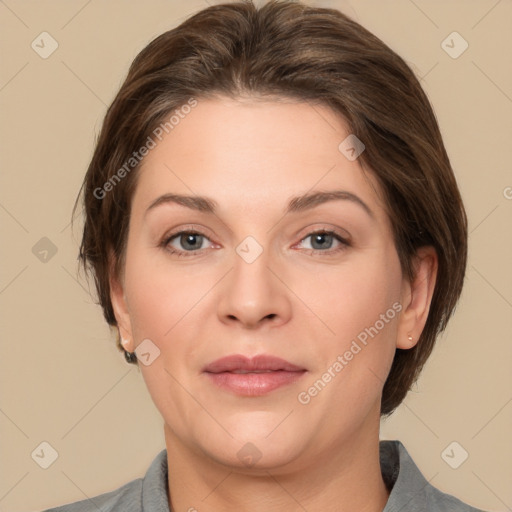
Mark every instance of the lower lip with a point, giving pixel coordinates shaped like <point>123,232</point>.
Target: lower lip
<point>254,384</point>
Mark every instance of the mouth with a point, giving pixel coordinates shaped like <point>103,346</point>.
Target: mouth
<point>254,376</point>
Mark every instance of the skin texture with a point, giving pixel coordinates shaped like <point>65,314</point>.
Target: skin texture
<point>306,307</point>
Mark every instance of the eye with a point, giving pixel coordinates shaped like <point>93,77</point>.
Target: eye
<point>188,242</point>
<point>322,241</point>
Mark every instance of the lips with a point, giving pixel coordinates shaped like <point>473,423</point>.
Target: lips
<point>254,376</point>
<point>242,364</point>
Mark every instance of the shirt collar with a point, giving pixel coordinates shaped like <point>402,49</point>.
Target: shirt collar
<point>155,485</point>
<point>399,471</point>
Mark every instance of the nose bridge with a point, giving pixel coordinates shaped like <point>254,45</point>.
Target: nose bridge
<point>252,291</point>
<point>251,265</point>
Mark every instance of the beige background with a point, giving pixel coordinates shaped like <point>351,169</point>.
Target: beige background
<point>62,379</point>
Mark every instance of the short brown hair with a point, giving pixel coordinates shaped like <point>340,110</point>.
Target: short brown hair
<point>290,50</point>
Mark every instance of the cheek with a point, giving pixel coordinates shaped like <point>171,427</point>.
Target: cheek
<point>360,304</point>
<point>159,296</point>
<point>353,296</point>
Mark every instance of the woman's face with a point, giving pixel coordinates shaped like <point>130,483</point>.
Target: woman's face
<point>243,276</point>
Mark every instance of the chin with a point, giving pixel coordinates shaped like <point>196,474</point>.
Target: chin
<point>261,441</point>
<point>251,457</point>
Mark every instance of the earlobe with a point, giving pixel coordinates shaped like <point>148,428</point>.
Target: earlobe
<point>119,305</point>
<point>417,297</point>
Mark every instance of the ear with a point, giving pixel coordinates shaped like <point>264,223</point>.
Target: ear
<point>119,305</point>
<point>416,297</point>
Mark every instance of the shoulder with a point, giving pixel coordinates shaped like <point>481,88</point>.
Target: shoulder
<point>139,495</point>
<point>441,502</point>
<point>410,490</point>
<point>126,498</point>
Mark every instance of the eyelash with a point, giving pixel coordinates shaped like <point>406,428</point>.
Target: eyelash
<point>165,242</point>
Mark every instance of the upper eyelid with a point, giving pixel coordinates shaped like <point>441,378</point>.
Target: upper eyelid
<point>328,226</point>
<point>346,240</point>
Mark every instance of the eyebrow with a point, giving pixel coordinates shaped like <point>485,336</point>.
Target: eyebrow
<point>295,205</point>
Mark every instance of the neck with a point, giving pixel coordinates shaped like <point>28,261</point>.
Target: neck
<point>351,479</point>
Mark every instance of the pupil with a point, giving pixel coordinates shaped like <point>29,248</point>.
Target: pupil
<point>190,240</point>
<point>321,237</point>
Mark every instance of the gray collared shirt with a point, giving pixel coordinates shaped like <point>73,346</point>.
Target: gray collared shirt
<point>410,491</point>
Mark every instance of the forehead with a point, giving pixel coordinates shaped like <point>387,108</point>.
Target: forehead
<point>253,153</point>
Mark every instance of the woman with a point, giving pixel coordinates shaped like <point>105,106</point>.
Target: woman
<point>275,230</point>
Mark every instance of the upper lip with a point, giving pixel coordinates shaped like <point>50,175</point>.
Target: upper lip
<point>260,363</point>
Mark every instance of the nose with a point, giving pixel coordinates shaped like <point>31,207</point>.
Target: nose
<point>254,294</point>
